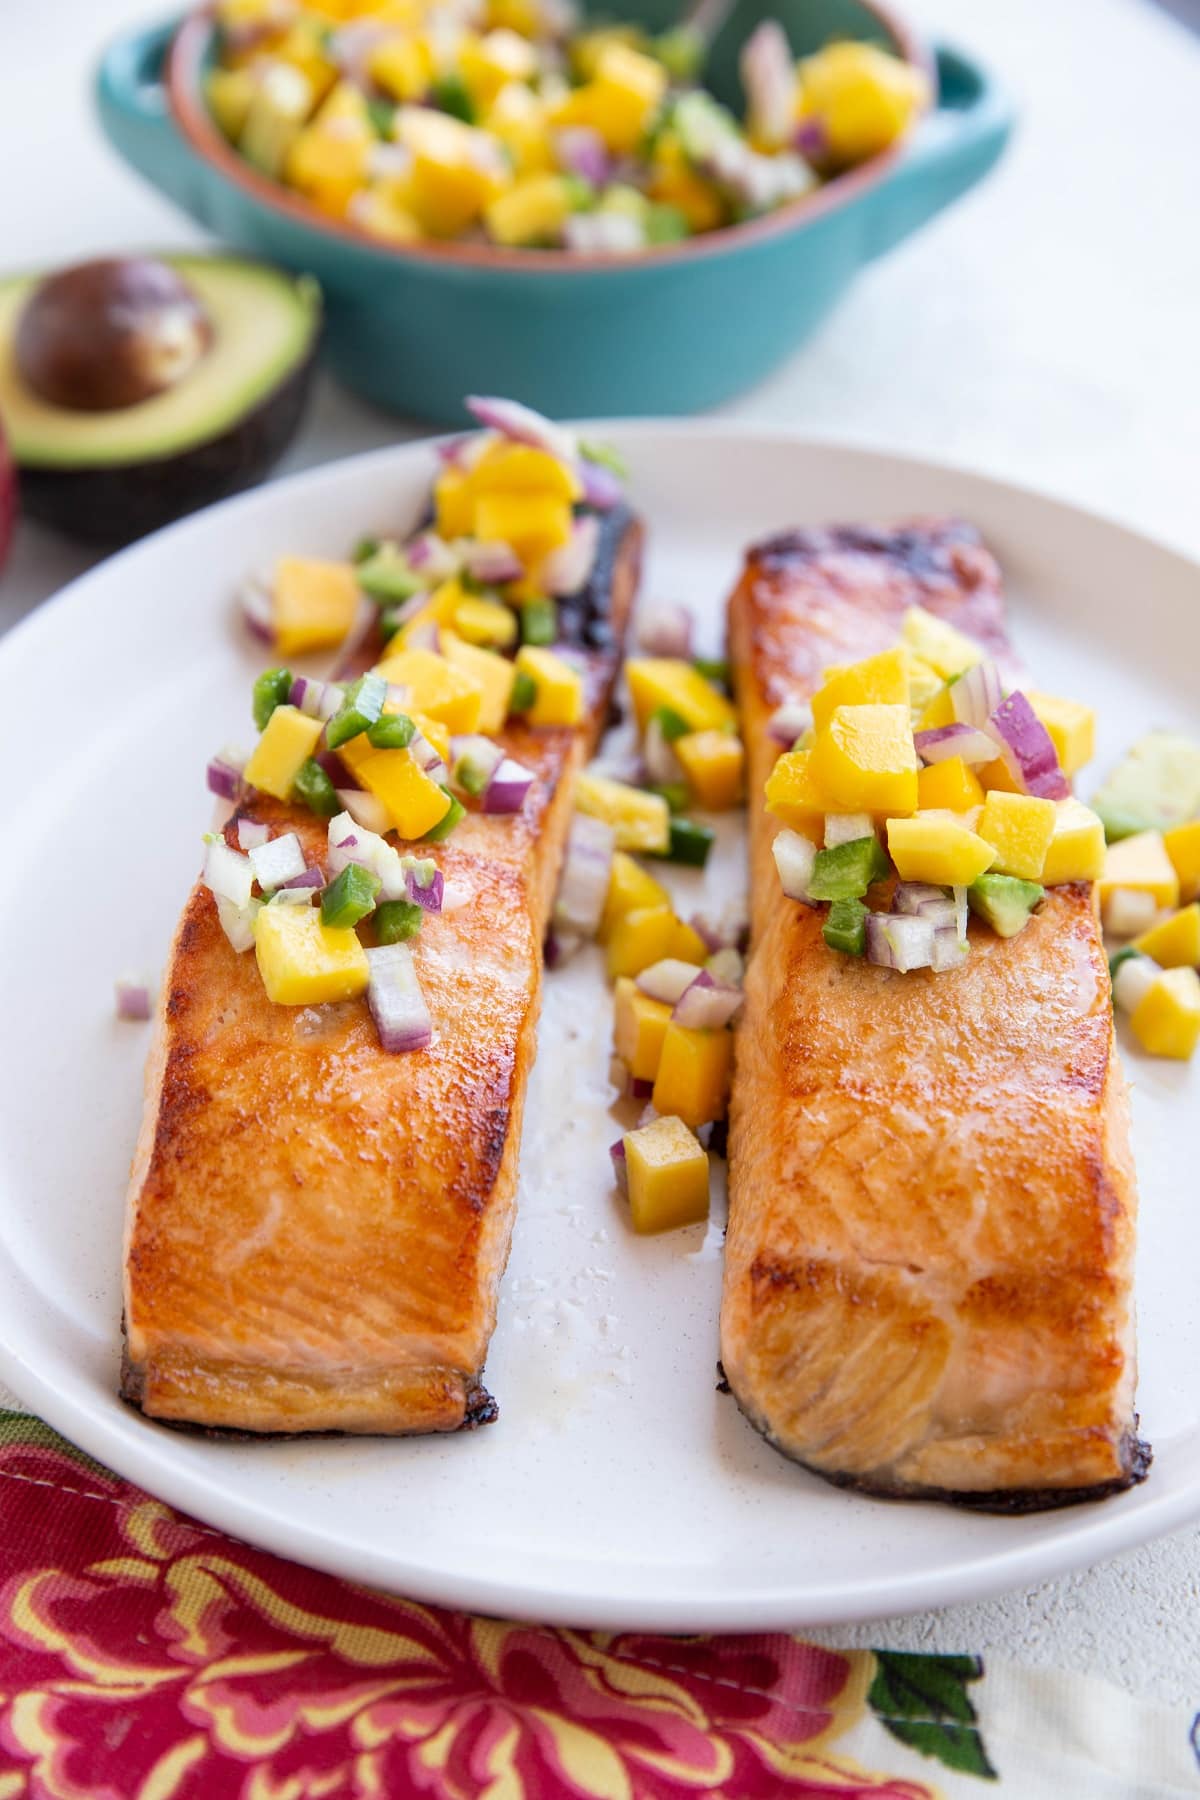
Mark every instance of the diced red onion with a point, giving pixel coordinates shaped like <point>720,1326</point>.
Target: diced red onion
<point>365,809</point>
<point>961,912</point>
<point>647,1115</point>
<point>524,426</point>
<point>422,637</point>
<point>351,842</point>
<point>451,450</point>
<point>362,626</point>
<point>920,899</point>
<point>311,877</point>
<point>847,828</point>
<point>1132,980</point>
<point>811,139</point>
<point>1027,748</point>
<point>728,966</point>
<point>278,862</point>
<point>491,562</point>
<point>560,947</point>
<point>305,695</point>
<point>237,922</point>
<point>223,779</point>
<point>949,950</point>
<point>1129,911</point>
<point>768,71</point>
<point>640,1088</point>
<point>569,568</point>
<point>133,997</point>
<point>730,931</point>
<point>975,696</point>
<point>396,1001</point>
<point>582,151</point>
<point>618,1072</point>
<point>899,941</point>
<point>662,765</point>
<point>666,630</point>
<point>426,894</point>
<point>945,741</point>
<point>250,834</point>
<point>228,874</point>
<point>601,487</point>
<point>506,791</point>
<point>423,753</point>
<point>667,981</point>
<point>790,721</point>
<point>707,1005</point>
<point>258,611</point>
<point>794,858</point>
<point>619,1166</point>
<point>583,887</point>
<point>430,555</point>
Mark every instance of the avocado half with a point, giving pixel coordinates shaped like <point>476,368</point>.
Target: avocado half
<point>109,476</point>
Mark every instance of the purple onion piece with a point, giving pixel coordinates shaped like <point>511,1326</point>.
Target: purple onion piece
<point>601,488</point>
<point>365,809</point>
<point>945,741</point>
<point>1027,748</point>
<point>666,630</point>
<point>312,877</point>
<point>790,721</point>
<point>506,791</point>
<point>223,779</point>
<point>582,151</point>
<point>620,1166</point>
<point>396,1001</point>
<point>429,897</point>
<point>768,71</point>
<point>133,998</point>
<point>707,1005</point>
<point>899,941</point>
<point>251,835</point>
<point>666,981</point>
<point>258,612</point>
<point>640,1088</point>
<point>811,139</point>
<point>569,568</point>
<point>587,867</point>
<point>976,694</point>
<point>522,425</point>
<point>491,562</point>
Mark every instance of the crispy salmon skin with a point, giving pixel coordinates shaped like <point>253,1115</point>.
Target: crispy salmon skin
<point>929,1264</point>
<point>316,1230</point>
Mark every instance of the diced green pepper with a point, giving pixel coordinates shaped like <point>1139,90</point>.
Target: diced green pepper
<point>672,724</point>
<point>351,897</point>
<point>270,690</point>
<point>472,775</point>
<point>524,692</point>
<point>446,825</point>
<point>386,576</point>
<point>365,549</point>
<point>398,920</point>
<point>539,622</point>
<point>359,710</point>
<point>847,870</point>
<point>845,927</point>
<point>449,93</point>
<point>382,115</point>
<point>677,794</point>
<point>689,843</point>
<point>315,789</point>
<point>714,669</point>
<point>391,731</point>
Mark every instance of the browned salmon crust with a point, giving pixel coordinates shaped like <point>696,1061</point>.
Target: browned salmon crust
<point>929,1264</point>
<point>316,1230</point>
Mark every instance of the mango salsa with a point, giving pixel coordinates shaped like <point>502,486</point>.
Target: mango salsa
<point>436,686</point>
<point>656,681</point>
<point>533,523</point>
<point>864,760</point>
<point>1166,1020</point>
<point>559,697</point>
<point>508,468</point>
<point>1076,850</point>
<point>619,101</point>
<point>950,784</point>
<point>647,935</point>
<point>883,679</point>
<point>693,1074</point>
<point>313,604</point>
<point>939,643</point>
<point>285,746</point>
<point>494,674</point>
<point>414,803</point>
<point>641,821</point>
<point>1174,943</point>
<point>713,762</point>
<point>1140,862</point>
<point>454,502</point>
<point>630,887</point>
<point>794,797</point>
<point>1182,845</point>
<point>667,1172</point>
<point>486,622</point>
<point>640,1025</point>
<point>1071,727</point>
<point>939,850</point>
<point>306,963</point>
<point>1019,827</point>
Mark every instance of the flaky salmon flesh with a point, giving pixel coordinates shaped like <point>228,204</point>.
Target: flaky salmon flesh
<point>316,1230</point>
<point>929,1268</point>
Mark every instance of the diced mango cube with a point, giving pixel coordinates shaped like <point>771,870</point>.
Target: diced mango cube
<point>667,1172</point>
<point>229,93</point>
<point>313,604</point>
<point>533,211</point>
<point>675,182</point>
<point>619,101</point>
<point>383,210</point>
<point>532,523</point>
<point>937,849</point>
<point>435,686</point>
<point>1140,862</point>
<point>414,803</point>
<point>637,938</point>
<point>1076,851</point>
<point>329,162</point>
<point>1166,1020</point>
<point>487,622</point>
<point>559,699</point>
<point>693,1074</point>
<point>1182,845</point>
<point>454,500</point>
<point>438,611</point>
<point>864,760</point>
<point>495,675</point>
<point>489,63</point>
<point>950,784</point>
<point>641,821</point>
<point>686,944</point>
<point>1019,827</point>
<point>939,709</point>
<point>1071,727</point>
<point>1174,943</point>
<point>508,468</point>
<point>939,643</point>
<point>518,118</point>
<point>402,66</point>
<point>713,762</point>
<point>793,796</point>
<point>656,681</point>
<point>924,684</point>
<point>997,777</point>
<point>432,730</point>
<point>456,169</point>
<point>630,887</point>
<point>882,679</point>
<point>284,747</point>
<point>640,1025</point>
<point>305,963</point>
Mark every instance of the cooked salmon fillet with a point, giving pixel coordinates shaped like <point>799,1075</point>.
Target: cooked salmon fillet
<point>316,1230</point>
<point>929,1267</point>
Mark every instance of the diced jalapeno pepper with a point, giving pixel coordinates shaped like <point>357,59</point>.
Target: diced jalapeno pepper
<point>351,897</point>
<point>524,693</point>
<point>672,724</point>
<point>845,928</point>
<point>270,690</point>
<point>359,710</point>
<point>392,731</point>
<point>314,788</point>
<point>446,825</point>
<point>539,622</point>
<point>846,871</point>
<point>689,843</point>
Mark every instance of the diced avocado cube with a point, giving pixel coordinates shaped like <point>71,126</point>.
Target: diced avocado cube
<point>847,870</point>
<point>1004,902</point>
<point>524,692</point>
<point>1154,788</point>
<point>397,920</point>
<point>845,928</point>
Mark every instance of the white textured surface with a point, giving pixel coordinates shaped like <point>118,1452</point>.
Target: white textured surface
<point>1045,330</point>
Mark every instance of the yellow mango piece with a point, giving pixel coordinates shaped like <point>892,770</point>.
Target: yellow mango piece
<point>639,1026</point>
<point>641,821</point>
<point>864,760</point>
<point>713,762</point>
<point>1071,727</point>
<point>305,963</point>
<point>283,99</point>
<point>486,622</point>
<point>882,679</point>
<point>1166,1020</point>
<point>938,643</point>
<point>414,803</point>
<point>1182,845</point>
<point>862,96</point>
<point>287,743</point>
<point>328,161</point>
<point>431,729</point>
<point>313,604</point>
<point>402,66</point>
<point>667,1174</point>
<point>456,169</point>
<point>939,708</point>
<point>487,64</point>
<point>533,211</point>
<point>510,468</point>
<point>559,699</point>
<point>302,48</point>
<point>620,100</point>
<point>1174,943</point>
<point>454,502</point>
<point>997,777</point>
<point>1140,862</point>
<point>686,944</point>
<point>640,937</point>
<point>693,1074</point>
<point>435,686</point>
<point>383,210</point>
<point>793,796</point>
<point>519,119</point>
<point>495,675</point>
<point>1019,827</point>
<point>950,784</point>
<point>229,93</point>
<point>674,182</point>
<point>1076,851</point>
<point>532,523</point>
<point>656,681</point>
<point>630,888</point>
<point>924,685</point>
<point>438,611</point>
<point>937,848</point>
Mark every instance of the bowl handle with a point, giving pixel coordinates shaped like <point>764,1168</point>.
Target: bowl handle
<point>136,117</point>
<point>953,149</point>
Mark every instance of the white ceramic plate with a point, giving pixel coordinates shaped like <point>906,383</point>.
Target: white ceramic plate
<point>618,1488</point>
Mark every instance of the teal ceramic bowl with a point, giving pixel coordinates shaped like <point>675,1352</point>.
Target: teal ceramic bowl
<point>671,330</point>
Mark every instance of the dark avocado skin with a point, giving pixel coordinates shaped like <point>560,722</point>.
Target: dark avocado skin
<point>113,505</point>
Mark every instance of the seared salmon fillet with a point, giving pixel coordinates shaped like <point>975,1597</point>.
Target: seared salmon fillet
<point>316,1230</point>
<point>929,1268</point>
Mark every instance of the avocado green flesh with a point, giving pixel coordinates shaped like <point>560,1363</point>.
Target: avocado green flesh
<point>1155,786</point>
<point>264,326</point>
<point>1004,902</point>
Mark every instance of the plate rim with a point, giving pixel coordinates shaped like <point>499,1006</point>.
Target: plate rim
<point>140,1454</point>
